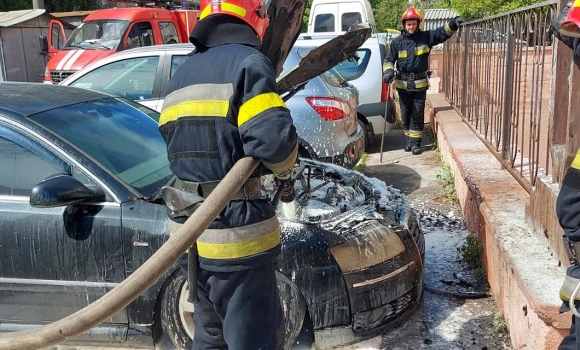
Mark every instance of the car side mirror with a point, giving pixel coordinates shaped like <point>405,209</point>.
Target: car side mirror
<point>43,44</point>
<point>62,190</point>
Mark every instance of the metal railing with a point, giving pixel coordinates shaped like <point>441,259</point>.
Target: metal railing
<point>497,74</point>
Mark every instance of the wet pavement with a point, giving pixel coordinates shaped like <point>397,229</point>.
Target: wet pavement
<point>457,311</point>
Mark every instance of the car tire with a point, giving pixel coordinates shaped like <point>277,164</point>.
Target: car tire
<point>177,313</point>
<point>365,132</point>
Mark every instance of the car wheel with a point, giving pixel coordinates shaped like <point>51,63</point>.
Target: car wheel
<point>365,132</point>
<point>294,308</point>
<point>177,312</point>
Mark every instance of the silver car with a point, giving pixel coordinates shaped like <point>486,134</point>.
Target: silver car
<point>324,111</point>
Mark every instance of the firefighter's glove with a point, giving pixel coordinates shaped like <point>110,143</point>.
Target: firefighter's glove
<point>388,76</point>
<point>456,22</point>
<point>288,194</point>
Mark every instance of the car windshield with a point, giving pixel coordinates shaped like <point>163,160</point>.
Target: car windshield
<point>122,139</point>
<point>98,34</point>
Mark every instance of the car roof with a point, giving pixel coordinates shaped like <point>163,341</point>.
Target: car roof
<point>155,48</point>
<point>30,98</point>
<point>130,13</point>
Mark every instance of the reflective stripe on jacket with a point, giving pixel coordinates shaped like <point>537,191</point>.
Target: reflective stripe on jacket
<point>410,54</point>
<point>222,105</point>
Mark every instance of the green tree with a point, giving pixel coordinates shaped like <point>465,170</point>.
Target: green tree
<point>12,5</point>
<point>483,8</point>
<point>49,5</point>
<point>388,14</point>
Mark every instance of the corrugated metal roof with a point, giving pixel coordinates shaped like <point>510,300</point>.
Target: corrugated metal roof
<point>440,14</point>
<point>71,14</point>
<point>10,18</point>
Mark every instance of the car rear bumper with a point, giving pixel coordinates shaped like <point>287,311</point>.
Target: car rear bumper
<point>351,154</point>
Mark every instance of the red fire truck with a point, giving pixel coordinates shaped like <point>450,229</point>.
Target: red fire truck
<point>105,32</point>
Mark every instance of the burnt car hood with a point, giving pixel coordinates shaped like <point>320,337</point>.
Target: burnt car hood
<point>286,22</point>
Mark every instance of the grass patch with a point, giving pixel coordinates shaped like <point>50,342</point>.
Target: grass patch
<point>361,165</point>
<point>498,323</point>
<point>471,251</point>
<point>446,176</point>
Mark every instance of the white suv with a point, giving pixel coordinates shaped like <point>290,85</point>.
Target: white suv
<point>366,74</point>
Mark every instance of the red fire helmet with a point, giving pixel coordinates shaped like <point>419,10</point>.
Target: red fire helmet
<point>411,13</point>
<point>570,26</point>
<point>253,12</point>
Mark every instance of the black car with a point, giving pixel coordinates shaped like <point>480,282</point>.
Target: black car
<point>351,262</point>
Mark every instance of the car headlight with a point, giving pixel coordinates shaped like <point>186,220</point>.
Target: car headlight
<point>372,246</point>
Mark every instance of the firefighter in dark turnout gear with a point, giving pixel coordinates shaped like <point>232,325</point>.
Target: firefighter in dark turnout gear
<point>409,54</point>
<point>568,211</point>
<point>566,27</point>
<point>223,105</point>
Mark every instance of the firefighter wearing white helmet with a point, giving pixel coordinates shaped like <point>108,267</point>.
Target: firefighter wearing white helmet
<point>407,63</point>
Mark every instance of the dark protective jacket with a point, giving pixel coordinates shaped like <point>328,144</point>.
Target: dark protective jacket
<point>410,53</point>
<point>568,202</point>
<point>223,105</point>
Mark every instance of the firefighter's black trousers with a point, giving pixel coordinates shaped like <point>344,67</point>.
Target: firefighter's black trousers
<point>413,114</point>
<point>571,341</point>
<point>238,310</point>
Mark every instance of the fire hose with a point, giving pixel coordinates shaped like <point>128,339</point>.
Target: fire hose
<point>134,285</point>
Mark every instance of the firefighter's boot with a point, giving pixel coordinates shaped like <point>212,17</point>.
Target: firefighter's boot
<point>416,150</point>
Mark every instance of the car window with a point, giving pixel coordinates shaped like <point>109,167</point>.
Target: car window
<point>21,169</point>
<point>141,34</point>
<point>333,78</point>
<point>176,62</point>
<point>168,33</point>
<point>354,69</point>
<point>324,23</point>
<point>123,140</point>
<point>132,78</point>
<point>350,18</point>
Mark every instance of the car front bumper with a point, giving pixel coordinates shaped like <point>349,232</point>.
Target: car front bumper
<point>380,296</point>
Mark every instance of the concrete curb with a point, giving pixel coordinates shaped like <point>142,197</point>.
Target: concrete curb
<point>524,276</point>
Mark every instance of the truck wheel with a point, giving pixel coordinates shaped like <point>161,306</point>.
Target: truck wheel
<point>177,312</point>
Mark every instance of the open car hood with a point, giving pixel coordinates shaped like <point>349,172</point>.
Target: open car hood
<point>286,22</point>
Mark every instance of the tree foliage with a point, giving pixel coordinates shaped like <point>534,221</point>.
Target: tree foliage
<point>49,5</point>
<point>478,9</point>
<point>388,14</point>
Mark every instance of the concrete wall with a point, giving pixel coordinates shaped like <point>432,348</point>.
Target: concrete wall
<point>523,274</point>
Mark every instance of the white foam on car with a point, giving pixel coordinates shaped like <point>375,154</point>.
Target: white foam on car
<point>289,210</point>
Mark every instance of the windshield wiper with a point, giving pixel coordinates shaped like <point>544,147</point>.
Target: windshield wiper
<point>100,45</point>
<point>157,194</point>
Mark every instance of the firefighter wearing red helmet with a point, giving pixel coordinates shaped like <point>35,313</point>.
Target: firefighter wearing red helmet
<point>407,63</point>
<point>566,27</point>
<point>222,105</point>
